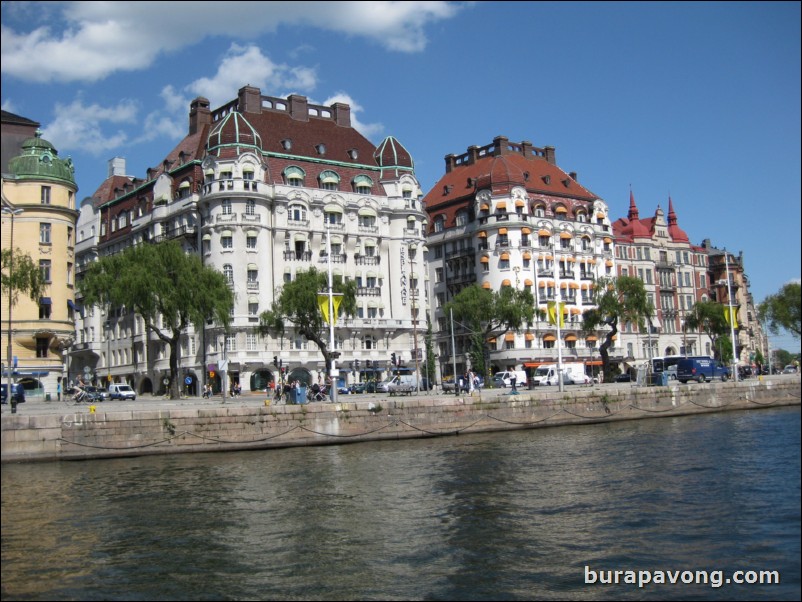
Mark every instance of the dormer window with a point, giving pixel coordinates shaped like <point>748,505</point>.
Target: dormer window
<point>329,180</point>
<point>286,144</point>
<point>353,153</point>
<point>294,176</point>
<point>320,148</point>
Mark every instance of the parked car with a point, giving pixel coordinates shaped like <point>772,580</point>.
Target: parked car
<point>96,393</point>
<point>790,369</point>
<point>701,369</point>
<point>624,377</point>
<point>18,392</point>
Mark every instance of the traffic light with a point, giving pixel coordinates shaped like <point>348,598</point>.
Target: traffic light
<point>356,363</point>
<point>275,361</point>
<point>393,360</point>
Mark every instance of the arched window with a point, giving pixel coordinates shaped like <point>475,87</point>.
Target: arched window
<point>294,176</point>
<point>329,180</point>
<point>362,185</point>
<point>228,272</point>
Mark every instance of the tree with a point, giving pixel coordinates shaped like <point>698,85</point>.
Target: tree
<point>781,310</point>
<point>297,304</point>
<point>20,275</point>
<point>621,300</point>
<point>486,313</point>
<point>162,284</point>
<point>708,316</point>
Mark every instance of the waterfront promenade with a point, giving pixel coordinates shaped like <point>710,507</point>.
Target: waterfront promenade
<point>53,430</point>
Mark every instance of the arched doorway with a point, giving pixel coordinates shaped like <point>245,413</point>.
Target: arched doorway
<point>302,375</point>
<point>262,380</point>
<point>145,386</point>
<point>189,384</point>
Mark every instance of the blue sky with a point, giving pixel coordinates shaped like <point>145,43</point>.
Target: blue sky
<point>699,101</point>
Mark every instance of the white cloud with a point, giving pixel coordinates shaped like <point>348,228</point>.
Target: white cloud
<point>79,127</point>
<point>368,130</point>
<point>95,39</point>
<point>247,64</point>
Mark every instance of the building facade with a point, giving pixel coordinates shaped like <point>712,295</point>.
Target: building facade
<point>505,214</point>
<point>39,219</point>
<point>259,187</point>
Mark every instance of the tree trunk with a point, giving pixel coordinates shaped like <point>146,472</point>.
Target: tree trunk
<point>175,385</point>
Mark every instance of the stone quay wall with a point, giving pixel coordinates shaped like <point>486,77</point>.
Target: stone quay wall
<point>229,427</point>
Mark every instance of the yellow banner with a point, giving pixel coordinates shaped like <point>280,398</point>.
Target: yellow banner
<point>323,303</point>
<point>552,311</point>
<point>731,315</point>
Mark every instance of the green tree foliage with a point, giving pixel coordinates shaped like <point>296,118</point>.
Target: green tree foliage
<point>20,276</point>
<point>297,305</point>
<point>430,355</point>
<point>619,301</point>
<point>781,310</point>
<point>163,284</point>
<point>708,317</point>
<point>486,313</point>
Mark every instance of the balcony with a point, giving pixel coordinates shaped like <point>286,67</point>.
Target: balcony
<point>369,291</point>
<point>368,260</point>
<point>293,256</point>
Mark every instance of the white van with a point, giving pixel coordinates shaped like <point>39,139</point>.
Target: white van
<point>504,378</point>
<point>121,391</point>
<point>547,374</point>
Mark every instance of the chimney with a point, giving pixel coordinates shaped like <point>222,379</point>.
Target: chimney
<point>199,115</point>
<point>573,176</point>
<point>299,107</point>
<point>473,154</point>
<point>450,162</point>
<point>342,114</point>
<point>116,167</point>
<point>526,148</point>
<point>501,145</point>
<point>549,151</point>
<point>250,100</point>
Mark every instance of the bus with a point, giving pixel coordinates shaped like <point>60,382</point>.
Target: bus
<point>667,363</point>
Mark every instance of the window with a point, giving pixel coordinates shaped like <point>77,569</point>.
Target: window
<point>439,223</point>
<point>294,176</point>
<point>297,213</point>
<point>253,307</point>
<point>228,272</point>
<point>250,242</point>
<point>332,217</point>
<point>231,342</point>
<point>44,267</point>
<point>44,234</point>
<point>247,173</point>
<point>251,342</point>
<point>44,308</point>
<point>369,342</point>
<point>227,241</point>
<point>253,275</point>
<point>250,206</point>
<point>41,347</point>
<point>329,180</point>
<point>45,195</point>
<point>226,206</point>
<point>462,218</point>
<point>69,274</point>
<point>367,221</point>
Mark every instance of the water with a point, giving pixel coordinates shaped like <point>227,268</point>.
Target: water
<point>500,516</point>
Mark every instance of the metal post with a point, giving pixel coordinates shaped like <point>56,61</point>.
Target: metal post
<point>333,374</point>
<point>9,362</point>
<point>559,316</point>
<point>732,319</point>
<point>414,294</point>
<point>454,354</point>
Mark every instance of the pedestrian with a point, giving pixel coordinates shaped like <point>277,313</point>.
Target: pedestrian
<point>471,382</point>
<point>58,390</point>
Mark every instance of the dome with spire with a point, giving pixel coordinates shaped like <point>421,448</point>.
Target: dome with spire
<point>232,136</point>
<point>39,160</point>
<point>676,233</point>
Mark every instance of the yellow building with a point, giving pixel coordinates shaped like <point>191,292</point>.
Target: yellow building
<point>38,194</point>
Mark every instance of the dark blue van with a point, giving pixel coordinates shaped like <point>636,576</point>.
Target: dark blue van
<point>701,369</point>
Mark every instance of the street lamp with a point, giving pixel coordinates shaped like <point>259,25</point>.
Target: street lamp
<point>13,213</point>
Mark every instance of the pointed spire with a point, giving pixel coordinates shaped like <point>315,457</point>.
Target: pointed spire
<point>672,217</point>
<point>633,209</point>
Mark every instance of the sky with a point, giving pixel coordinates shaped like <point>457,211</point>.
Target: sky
<point>695,101</point>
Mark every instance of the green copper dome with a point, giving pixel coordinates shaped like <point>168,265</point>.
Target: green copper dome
<point>39,161</point>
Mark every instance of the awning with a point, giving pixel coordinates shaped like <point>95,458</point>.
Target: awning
<point>71,305</point>
<point>502,230</point>
<point>247,169</point>
<point>600,215</point>
<point>591,337</point>
<point>371,275</point>
<point>549,337</point>
<point>413,246</point>
<point>253,299</point>
<point>226,233</point>
<point>505,256</point>
<point>564,235</point>
<point>607,240</point>
<point>584,286</point>
<point>484,207</point>
<point>575,311</point>
<point>520,203</point>
<point>207,236</point>
<point>410,218</point>
<point>299,236</point>
<point>485,284</point>
<point>543,232</point>
<point>509,336</point>
<point>183,185</point>
<point>541,284</point>
<point>332,208</point>
<point>45,301</point>
<point>371,304</point>
<point>485,259</point>
<point>252,266</point>
<point>501,205</point>
<point>563,285</point>
<point>526,231</point>
<point>367,212</point>
<point>561,209</point>
<point>573,285</point>
<point>528,282</point>
<point>533,364</point>
<point>482,234</point>
<point>570,337</point>
<point>608,263</point>
<point>527,255</point>
<point>529,336</point>
<point>506,282</point>
<point>252,233</point>
<point>594,363</point>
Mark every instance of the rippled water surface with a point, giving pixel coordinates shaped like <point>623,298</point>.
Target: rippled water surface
<point>500,516</point>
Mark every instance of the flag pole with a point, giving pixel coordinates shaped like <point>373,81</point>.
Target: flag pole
<point>731,318</point>
<point>333,372</point>
<point>559,316</point>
